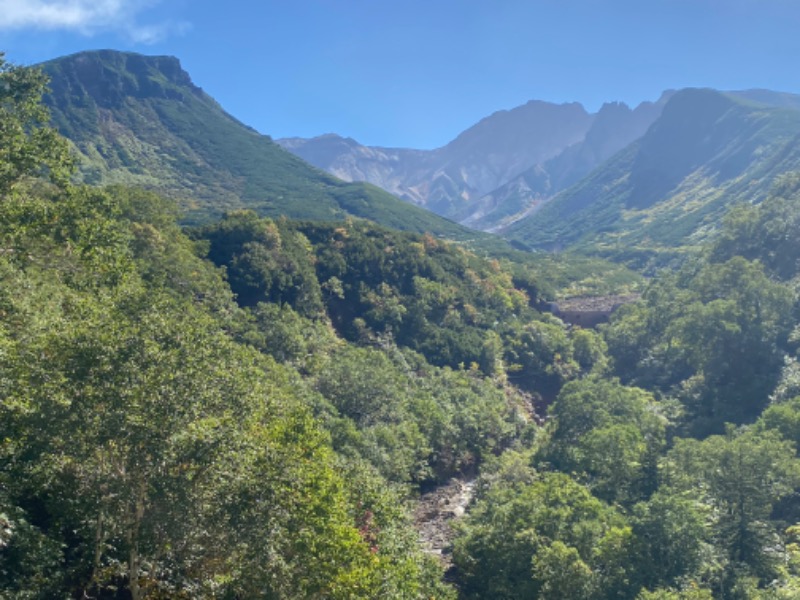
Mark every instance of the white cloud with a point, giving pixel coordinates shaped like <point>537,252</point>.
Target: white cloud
<point>152,34</point>
<point>86,17</point>
<point>64,14</point>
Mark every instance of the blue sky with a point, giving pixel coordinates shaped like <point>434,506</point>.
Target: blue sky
<point>415,73</point>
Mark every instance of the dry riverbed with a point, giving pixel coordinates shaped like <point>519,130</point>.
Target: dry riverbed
<point>435,513</point>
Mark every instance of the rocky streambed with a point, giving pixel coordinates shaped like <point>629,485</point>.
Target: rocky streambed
<point>435,513</point>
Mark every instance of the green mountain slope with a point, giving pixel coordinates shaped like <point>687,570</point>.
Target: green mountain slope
<point>708,151</point>
<point>140,120</point>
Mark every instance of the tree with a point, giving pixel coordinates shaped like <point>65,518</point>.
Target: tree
<point>712,336</point>
<point>609,434</point>
<point>27,146</point>
<point>265,261</point>
<point>540,540</point>
<point>783,417</point>
<point>670,536</point>
<point>540,357</point>
<point>766,232</point>
<point>562,573</point>
<point>740,476</point>
<point>175,459</point>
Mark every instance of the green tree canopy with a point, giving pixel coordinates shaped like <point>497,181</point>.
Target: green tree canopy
<point>29,147</point>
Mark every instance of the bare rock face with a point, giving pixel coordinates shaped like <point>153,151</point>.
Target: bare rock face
<point>450,179</point>
<point>396,170</point>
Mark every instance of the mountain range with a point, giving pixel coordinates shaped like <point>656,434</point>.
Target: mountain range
<point>627,182</point>
<point>505,164</point>
<point>708,151</point>
<point>637,182</point>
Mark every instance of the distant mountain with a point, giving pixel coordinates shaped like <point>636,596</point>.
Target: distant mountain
<point>544,175</point>
<point>613,127</point>
<point>450,179</point>
<point>392,169</point>
<point>140,120</point>
<point>707,151</point>
<point>770,98</point>
<point>509,165</point>
<point>502,146</point>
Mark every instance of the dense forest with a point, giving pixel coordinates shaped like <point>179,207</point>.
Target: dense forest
<point>250,408</point>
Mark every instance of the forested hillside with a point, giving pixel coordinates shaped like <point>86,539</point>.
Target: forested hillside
<point>251,407</point>
<point>175,429</point>
<point>685,484</point>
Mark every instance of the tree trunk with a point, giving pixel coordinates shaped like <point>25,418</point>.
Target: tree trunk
<point>133,540</point>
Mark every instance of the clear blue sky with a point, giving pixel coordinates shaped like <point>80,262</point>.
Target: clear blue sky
<point>417,72</point>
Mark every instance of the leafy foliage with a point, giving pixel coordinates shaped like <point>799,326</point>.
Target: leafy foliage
<point>29,148</point>
<point>766,232</point>
<point>378,286</point>
<point>255,425</point>
<point>139,438</point>
<point>711,336</point>
<point>610,434</point>
<point>706,516</point>
<point>542,539</point>
<point>741,476</point>
<point>146,450</point>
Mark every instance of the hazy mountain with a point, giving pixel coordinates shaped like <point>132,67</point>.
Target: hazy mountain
<point>501,147</point>
<point>389,168</point>
<point>770,98</point>
<point>614,127</point>
<point>449,179</point>
<point>140,120</point>
<point>707,151</point>
<point>480,179</point>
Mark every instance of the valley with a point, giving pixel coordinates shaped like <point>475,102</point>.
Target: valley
<point>558,357</point>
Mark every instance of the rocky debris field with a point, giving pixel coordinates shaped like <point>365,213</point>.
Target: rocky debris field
<point>435,513</point>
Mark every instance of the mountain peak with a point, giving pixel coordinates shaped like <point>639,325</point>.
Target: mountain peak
<point>697,103</point>
<point>141,121</point>
<point>169,66</point>
<point>109,76</point>
<point>613,108</point>
<point>707,151</point>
